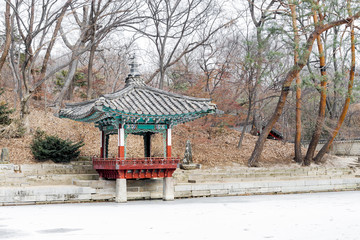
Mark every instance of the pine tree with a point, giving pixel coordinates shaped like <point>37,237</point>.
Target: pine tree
<point>45,147</point>
<point>5,111</point>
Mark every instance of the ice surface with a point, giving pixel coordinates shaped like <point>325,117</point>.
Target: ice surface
<point>299,216</point>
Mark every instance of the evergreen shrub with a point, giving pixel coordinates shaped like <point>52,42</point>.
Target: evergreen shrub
<point>45,147</point>
<point>4,112</point>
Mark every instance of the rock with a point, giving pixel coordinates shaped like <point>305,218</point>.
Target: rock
<point>5,157</point>
<point>190,166</point>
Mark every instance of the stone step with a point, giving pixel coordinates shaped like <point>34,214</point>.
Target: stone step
<point>37,180</point>
<point>244,175</point>
<point>103,197</point>
<point>8,168</point>
<point>261,187</point>
<point>43,169</point>
<point>88,161</point>
<point>209,178</point>
<point>46,168</point>
<point>294,171</point>
<point>250,179</point>
<point>97,184</point>
<point>44,194</point>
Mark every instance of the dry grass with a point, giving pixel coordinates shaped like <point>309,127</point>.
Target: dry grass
<point>211,146</point>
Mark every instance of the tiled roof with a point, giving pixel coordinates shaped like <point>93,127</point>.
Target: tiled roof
<point>137,100</point>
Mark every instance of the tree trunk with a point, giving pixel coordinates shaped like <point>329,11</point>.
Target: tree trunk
<point>25,112</point>
<point>298,155</point>
<point>322,107</point>
<point>90,79</point>
<point>7,36</point>
<point>68,82</point>
<point>246,123</point>
<point>259,62</point>
<point>337,78</point>
<point>326,147</point>
<point>253,161</point>
<point>162,78</point>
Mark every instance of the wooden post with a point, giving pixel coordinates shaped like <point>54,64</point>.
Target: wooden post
<point>147,144</point>
<point>106,151</point>
<point>121,141</point>
<point>168,142</point>
<point>102,144</point>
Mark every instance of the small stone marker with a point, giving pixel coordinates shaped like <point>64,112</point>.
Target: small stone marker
<point>5,156</point>
<point>187,162</point>
<point>188,154</point>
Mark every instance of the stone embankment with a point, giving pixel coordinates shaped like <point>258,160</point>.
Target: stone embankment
<point>78,182</point>
<point>342,147</point>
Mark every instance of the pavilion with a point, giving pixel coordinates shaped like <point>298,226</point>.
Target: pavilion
<point>142,110</point>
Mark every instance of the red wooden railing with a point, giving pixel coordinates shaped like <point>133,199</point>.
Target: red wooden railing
<point>130,168</point>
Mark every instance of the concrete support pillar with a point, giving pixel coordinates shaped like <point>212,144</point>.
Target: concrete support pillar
<point>121,193</point>
<point>121,141</point>
<point>168,189</point>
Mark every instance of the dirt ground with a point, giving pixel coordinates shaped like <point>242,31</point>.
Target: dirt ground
<point>210,146</point>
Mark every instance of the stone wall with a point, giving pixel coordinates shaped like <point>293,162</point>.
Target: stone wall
<point>345,148</point>
<point>77,182</point>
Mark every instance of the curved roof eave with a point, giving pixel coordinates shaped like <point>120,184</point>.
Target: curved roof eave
<point>130,101</point>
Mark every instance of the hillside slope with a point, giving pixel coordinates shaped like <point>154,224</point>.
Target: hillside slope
<point>211,146</point>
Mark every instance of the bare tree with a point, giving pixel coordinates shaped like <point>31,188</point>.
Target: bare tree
<point>113,63</point>
<point>177,28</point>
<point>248,76</point>
<point>7,36</point>
<point>260,15</point>
<point>93,26</point>
<point>216,60</point>
<point>32,30</point>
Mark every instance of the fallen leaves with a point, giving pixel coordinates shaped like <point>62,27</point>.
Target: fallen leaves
<point>210,146</point>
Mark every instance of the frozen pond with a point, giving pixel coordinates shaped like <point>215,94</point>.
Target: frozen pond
<point>300,216</point>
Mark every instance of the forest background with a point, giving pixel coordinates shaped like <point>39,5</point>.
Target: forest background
<point>268,64</point>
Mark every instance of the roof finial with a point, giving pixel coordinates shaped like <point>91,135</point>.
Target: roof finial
<point>134,71</point>
<point>134,77</point>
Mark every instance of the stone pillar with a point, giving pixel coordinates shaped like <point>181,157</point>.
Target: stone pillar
<point>168,189</point>
<point>5,155</point>
<point>147,144</point>
<point>168,142</point>
<point>121,193</point>
<point>121,141</point>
